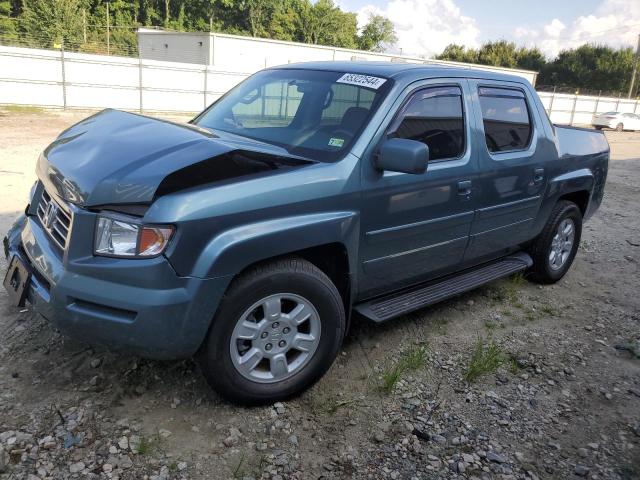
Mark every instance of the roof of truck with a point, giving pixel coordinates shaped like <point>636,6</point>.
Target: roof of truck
<point>400,70</point>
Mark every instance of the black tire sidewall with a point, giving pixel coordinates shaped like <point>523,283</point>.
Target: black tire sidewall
<point>549,275</point>
<point>215,358</point>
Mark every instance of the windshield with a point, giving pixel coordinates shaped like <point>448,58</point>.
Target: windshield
<point>310,113</point>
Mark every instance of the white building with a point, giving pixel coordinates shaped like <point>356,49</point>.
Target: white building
<point>247,54</point>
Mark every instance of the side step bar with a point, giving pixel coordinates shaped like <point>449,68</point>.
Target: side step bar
<point>414,298</point>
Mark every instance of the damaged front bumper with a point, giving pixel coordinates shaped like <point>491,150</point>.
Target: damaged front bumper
<point>139,305</point>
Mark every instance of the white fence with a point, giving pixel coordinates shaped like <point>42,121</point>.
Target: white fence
<point>52,78</point>
<point>578,109</point>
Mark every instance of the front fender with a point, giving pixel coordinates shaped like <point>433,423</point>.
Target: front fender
<point>235,249</point>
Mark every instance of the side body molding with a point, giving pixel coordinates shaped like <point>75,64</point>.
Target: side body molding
<point>235,249</point>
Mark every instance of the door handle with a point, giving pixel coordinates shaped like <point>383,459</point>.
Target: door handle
<point>538,176</point>
<point>464,189</point>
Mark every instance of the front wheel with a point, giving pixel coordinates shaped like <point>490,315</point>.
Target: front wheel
<point>555,248</point>
<point>277,331</point>
<point>619,127</point>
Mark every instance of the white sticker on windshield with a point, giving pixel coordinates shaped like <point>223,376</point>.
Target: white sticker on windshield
<point>336,142</point>
<point>362,80</point>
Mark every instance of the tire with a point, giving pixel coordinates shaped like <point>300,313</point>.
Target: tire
<point>550,267</point>
<point>289,285</point>
<point>619,127</point>
<point>598,127</point>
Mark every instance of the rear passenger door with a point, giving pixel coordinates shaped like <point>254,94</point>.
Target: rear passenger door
<point>512,164</point>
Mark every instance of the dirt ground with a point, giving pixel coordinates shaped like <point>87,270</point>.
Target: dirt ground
<point>559,397</point>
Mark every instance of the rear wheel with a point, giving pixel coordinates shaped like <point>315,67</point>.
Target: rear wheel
<point>619,127</point>
<point>555,248</point>
<point>598,127</point>
<point>277,331</point>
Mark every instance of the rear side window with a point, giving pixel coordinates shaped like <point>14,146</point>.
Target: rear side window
<point>507,124</point>
<point>433,116</point>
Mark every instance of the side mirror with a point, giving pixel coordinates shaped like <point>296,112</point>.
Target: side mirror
<point>402,155</point>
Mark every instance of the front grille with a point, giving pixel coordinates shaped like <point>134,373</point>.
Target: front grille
<point>55,220</point>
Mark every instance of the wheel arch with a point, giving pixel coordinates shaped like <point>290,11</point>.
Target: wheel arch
<point>328,240</point>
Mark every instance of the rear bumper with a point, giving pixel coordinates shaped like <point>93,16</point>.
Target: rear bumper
<point>604,123</point>
<point>144,307</point>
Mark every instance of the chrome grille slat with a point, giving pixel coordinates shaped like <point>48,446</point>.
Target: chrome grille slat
<point>54,219</point>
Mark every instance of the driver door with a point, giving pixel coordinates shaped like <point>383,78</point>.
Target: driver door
<point>416,226</point>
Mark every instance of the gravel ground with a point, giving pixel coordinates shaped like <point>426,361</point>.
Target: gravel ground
<point>513,380</point>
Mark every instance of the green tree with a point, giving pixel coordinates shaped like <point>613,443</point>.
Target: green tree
<point>50,22</point>
<point>323,23</point>
<point>498,54</point>
<point>593,67</point>
<point>458,53</point>
<point>8,28</point>
<point>530,59</point>
<point>376,34</point>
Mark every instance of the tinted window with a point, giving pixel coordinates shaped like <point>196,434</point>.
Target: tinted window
<point>433,116</point>
<point>310,113</point>
<point>505,118</point>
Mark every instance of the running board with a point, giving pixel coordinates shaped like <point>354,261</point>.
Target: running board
<point>399,303</point>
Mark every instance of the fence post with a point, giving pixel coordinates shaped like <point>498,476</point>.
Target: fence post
<point>595,109</point>
<point>573,108</point>
<point>553,96</point>
<point>64,80</point>
<point>140,80</point>
<point>618,102</point>
<point>206,71</point>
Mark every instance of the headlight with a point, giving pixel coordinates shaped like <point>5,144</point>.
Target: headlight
<point>120,238</point>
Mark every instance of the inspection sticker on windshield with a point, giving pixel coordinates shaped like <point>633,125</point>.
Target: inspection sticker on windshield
<point>336,142</point>
<point>362,80</point>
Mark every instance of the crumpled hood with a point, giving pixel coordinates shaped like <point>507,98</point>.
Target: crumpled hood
<point>116,157</point>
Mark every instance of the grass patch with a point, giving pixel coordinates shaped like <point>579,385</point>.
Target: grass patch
<point>148,445</point>
<point>486,359</point>
<point>389,379</point>
<point>413,358</point>
<point>239,472</point>
<point>21,109</point>
<point>548,310</point>
<point>333,407</point>
<point>508,290</point>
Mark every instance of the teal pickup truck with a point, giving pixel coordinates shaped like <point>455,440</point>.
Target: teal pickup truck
<point>247,237</point>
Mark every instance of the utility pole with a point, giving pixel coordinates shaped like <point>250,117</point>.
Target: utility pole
<point>108,32</point>
<point>635,68</point>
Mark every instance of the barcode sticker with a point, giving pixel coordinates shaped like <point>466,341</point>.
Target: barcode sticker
<point>362,80</point>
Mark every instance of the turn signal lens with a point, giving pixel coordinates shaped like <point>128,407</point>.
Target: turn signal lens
<point>153,240</point>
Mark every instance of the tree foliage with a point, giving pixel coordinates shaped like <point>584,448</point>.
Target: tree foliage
<point>588,67</point>
<point>83,23</point>
<point>377,34</point>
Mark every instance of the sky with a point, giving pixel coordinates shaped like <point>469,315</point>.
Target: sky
<point>426,27</point>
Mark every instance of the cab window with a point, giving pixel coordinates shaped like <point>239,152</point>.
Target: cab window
<point>506,120</point>
<point>433,116</point>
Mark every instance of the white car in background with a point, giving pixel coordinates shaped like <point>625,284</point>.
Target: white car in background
<point>616,120</point>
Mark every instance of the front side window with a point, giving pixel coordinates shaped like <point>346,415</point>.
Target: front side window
<point>433,116</point>
<point>506,120</point>
<point>311,113</point>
